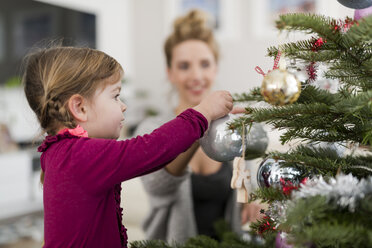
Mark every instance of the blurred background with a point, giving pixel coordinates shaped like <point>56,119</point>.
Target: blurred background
<point>133,32</point>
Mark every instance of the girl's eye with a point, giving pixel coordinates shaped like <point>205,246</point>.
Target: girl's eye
<point>117,97</point>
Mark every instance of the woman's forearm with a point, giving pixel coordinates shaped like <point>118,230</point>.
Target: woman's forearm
<point>178,165</point>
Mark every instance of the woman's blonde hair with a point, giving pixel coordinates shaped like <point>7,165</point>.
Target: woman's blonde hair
<point>53,75</point>
<point>192,26</point>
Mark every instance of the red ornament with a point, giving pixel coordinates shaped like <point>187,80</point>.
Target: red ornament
<point>311,71</point>
<point>288,186</point>
<point>343,25</point>
<point>317,43</point>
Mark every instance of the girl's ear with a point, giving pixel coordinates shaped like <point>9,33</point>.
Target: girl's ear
<point>78,108</point>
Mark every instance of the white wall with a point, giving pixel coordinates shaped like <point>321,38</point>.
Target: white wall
<point>114,26</point>
<point>133,31</point>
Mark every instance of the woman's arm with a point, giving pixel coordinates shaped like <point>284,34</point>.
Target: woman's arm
<point>178,166</point>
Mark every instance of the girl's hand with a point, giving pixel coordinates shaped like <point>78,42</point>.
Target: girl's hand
<point>215,105</point>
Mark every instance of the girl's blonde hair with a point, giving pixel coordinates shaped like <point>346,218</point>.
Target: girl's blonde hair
<point>192,26</point>
<point>53,75</point>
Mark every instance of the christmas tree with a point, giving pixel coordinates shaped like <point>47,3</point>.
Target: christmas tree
<point>333,210</point>
<point>326,201</point>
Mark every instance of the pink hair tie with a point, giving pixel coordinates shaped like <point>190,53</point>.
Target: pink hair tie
<point>77,131</point>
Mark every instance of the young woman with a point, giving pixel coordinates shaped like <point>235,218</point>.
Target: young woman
<point>193,191</point>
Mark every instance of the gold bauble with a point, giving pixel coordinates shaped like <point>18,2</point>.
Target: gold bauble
<point>279,87</point>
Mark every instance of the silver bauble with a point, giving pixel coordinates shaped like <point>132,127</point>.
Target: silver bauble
<point>270,172</point>
<point>356,4</point>
<point>223,144</point>
<point>256,141</point>
<point>337,147</point>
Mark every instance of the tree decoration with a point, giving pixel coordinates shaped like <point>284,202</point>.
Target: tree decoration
<point>223,144</point>
<point>281,240</point>
<point>356,4</point>
<point>272,173</point>
<point>279,87</point>
<point>342,26</point>
<point>332,212</point>
<point>241,180</point>
<point>345,191</point>
<point>361,13</point>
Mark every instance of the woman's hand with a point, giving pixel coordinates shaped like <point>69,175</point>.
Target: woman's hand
<point>251,212</point>
<point>238,110</point>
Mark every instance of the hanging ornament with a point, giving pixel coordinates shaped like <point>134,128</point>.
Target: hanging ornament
<point>223,144</point>
<point>279,87</point>
<point>281,240</point>
<point>356,4</point>
<point>337,147</point>
<point>276,211</point>
<point>360,13</point>
<point>272,174</point>
<point>299,70</point>
<point>241,180</point>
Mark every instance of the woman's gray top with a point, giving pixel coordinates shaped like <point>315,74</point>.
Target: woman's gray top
<point>172,216</point>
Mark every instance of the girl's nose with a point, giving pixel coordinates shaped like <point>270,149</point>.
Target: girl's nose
<point>123,106</point>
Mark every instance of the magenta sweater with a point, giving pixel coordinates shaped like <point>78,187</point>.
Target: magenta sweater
<point>83,176</point>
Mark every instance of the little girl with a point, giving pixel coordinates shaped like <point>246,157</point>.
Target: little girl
<point>75,94</point>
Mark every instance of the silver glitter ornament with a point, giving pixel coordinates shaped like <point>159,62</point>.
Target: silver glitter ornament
<point>356,4</point>
<point>223,144</point>
<point>270,172</point>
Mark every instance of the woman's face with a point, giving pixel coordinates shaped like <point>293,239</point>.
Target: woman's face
<point>193,71</point>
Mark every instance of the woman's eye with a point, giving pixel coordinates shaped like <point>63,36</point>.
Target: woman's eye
<point>205,64</point>
<point>183,66</point>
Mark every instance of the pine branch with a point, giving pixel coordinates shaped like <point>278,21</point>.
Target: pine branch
<point>253,95</point>
<point>325,161</point>
<point>317,221</point>
<point>311,94</point>
<point>321,25</point>
<point>310,23</point>
<point>268,195</point>
<point>303,50</point>
<point>358,34</point>
<point>149,243</point>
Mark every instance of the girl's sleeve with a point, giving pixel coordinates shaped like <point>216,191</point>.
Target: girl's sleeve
<point>102,163</point>
<point>159,183</point>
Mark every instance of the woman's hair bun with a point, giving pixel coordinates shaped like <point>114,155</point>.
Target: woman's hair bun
<point>194,24</point>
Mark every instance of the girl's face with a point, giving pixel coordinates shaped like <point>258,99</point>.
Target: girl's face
<point>105,112</point>
<point>193,71</point>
